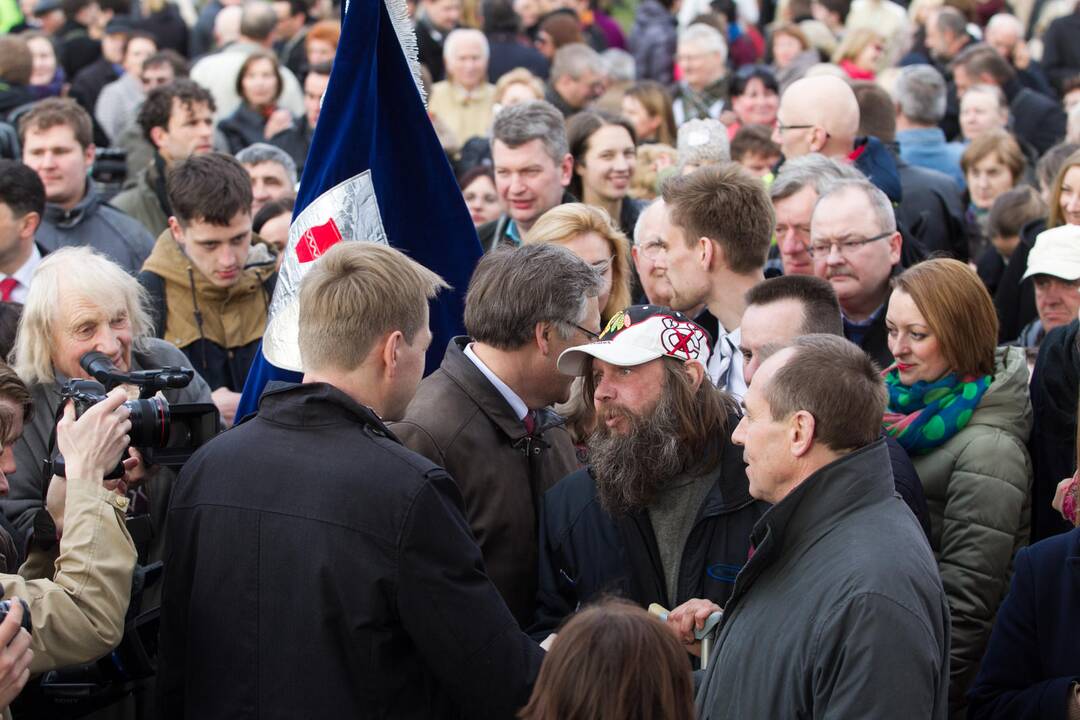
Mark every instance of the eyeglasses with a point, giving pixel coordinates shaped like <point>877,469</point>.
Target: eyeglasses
<point>844,247</point>
<point>588,333</point>
<point>781,127</point>
<point>652,249</point>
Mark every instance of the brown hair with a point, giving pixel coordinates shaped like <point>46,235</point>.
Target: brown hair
<point>821,309</point>
<point>959,311</point>
<point>836,382</point>
<point>1014,209</point>
<point>728,206</point>
<point>613,661</point>
<point>212,188</point>
<point>656,100</point>
<point>251,60</point>
<point>13,391</point>
<point>16,60</point>
<point>579,131</point>
<point>356,293</point>
<point>981,59</point>
<point>51,112</point>
<point>1056,217</point>
<point>703,412</point>
<point>997,142</point>
<point>328,31</point>
<point>791,30</point>
<point>564,29</point>
<point>753,139</point>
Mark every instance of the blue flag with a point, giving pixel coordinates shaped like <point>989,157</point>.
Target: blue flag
<point>375,172</point>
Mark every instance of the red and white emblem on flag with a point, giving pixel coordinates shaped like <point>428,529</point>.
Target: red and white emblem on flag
<point>317,240</point>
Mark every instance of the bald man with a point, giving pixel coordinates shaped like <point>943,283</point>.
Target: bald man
<point>1005,33</point>
<point>821,115</point>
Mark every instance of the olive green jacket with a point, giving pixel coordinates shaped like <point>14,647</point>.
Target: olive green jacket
<point>978,489</point>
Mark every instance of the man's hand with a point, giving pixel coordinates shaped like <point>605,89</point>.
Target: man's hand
<point>687,618</point>
<point>227,401</point>
<point>15,655</point>
<point>93,444</point>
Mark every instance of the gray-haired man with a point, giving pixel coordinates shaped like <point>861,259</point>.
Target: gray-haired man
<point>272,172</point>
<point>532,169</point>
<point>483,415</point>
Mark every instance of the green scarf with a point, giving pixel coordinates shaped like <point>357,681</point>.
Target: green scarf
<point>923,416</point>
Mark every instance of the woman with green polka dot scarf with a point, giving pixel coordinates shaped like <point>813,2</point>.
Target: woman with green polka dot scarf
<point>959,406</point>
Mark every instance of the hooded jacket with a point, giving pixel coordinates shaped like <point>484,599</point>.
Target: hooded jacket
<point>460,421</point>
<point>217,328</point>
<point>839,613</point>
<point>1054,389</point>
<point>95,223</point>
<point>585,552</point>
<point>978,489</point>
<point>146,201</point>
<point>652,42</point>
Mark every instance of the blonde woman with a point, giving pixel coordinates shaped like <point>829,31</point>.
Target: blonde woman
<point>860,53</point>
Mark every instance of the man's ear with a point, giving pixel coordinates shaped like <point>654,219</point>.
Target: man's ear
<point>801,433</point>
<point>157,136</point>
<point>393,344</point>
<point>896,244</point>
<point>542,336</point>
<point>707,250</point>
<point>88,156</point>
<point>177,230</point>
<point>696,371</point>
<point>566,170</point>
<point>28,224</point>
<point>818,138</point>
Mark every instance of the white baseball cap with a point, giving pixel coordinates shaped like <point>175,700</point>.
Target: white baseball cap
<point>640,334</point>
<point>1056,253</point>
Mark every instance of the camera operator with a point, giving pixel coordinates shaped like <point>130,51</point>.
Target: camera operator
<point>82,302</point>
<point>79,615</point>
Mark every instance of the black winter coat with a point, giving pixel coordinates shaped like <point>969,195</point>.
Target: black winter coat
<point>1054,389</point>
<point>1014,300</point>
<point>586,553</point>
<point>318,569</point>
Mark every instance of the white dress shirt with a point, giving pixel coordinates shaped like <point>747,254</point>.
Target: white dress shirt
<point>726,363</point>
<point>517,404</point>
<point>23,275</point>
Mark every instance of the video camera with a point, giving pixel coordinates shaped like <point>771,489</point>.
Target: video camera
<point>165,434</point>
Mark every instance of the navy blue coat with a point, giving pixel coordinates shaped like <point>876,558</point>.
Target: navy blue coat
<point>1034,651</point>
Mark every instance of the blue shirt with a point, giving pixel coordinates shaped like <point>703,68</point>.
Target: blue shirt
<point>926,147</point>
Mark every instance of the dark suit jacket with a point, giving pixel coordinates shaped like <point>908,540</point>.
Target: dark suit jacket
<point>1033,657</point>
<point>1037,119</point>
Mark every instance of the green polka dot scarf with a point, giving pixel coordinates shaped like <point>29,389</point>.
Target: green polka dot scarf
<point>924,415</point>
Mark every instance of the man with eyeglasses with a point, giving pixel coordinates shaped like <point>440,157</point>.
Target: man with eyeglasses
<point>485,415</point>
<point>857,251</point>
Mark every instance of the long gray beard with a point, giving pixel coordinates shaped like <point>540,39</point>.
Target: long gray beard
<point>630,469</point>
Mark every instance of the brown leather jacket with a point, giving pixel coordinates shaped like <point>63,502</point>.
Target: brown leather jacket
<point>459,420</point>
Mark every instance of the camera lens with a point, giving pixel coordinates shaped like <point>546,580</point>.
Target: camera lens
<point>149,422</point>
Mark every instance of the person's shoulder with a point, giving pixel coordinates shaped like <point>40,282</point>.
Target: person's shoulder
<point>130,229</point>
<point>155,353</point>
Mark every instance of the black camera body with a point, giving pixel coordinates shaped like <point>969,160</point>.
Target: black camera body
<point>165,434</point>
<point>5,608</point>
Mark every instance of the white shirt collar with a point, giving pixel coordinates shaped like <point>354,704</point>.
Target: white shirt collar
<point>736,384</point>
<point>517,404</point>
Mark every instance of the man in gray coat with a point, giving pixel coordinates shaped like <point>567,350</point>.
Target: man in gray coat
<point>840,611</point>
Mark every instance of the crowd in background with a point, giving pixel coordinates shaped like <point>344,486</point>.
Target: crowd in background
<point>760,178</point>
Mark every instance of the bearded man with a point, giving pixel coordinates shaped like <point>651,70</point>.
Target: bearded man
<point>664,510</point>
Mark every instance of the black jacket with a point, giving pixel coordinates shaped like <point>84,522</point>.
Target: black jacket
<point>932,210</point>
<point>1036,118</point>
<point>585,552</point>
<point>1015,299</point>
<point>429,44</point>
<point>87,85</point>
<point>244,127</point>
<point>1032,661</point>
<point>317,568</point>
<point>1054,388</point>
<point>296,141</point>
<point>875,341</point>
<point>77,49</point>
<point>508,51</point>
<point>1061,52</point>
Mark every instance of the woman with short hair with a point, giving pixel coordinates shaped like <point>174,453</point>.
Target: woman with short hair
<point>259,117</point>
<point>992,165</point>
<point>960,407</point>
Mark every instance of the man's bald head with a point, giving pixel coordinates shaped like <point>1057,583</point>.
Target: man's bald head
<point>828,106</point>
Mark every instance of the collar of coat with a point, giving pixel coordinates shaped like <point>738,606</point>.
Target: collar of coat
<point>823,500</point>
<point>230,317</point>
<point>314,405</point>
<point>479,389</point>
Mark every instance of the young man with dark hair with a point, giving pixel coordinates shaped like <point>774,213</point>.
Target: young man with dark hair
<point>178,120</point>
<point>753,148</point>
<point>209,286</point>
<point>56,139</point>
<point>22,205</point>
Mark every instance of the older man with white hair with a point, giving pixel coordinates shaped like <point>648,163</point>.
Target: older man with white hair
<point>1005,33</point>
<point>81,302</point>
<point>464,102</point>
<point>704,89</point>
<point>920,98</point>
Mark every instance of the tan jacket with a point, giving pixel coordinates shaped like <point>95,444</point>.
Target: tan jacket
<point>78,614</point>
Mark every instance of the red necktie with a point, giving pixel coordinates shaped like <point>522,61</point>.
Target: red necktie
<point>7,286</point>
<point>530,422</point>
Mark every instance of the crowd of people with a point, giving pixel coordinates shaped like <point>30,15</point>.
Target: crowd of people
<point>766,406</point>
